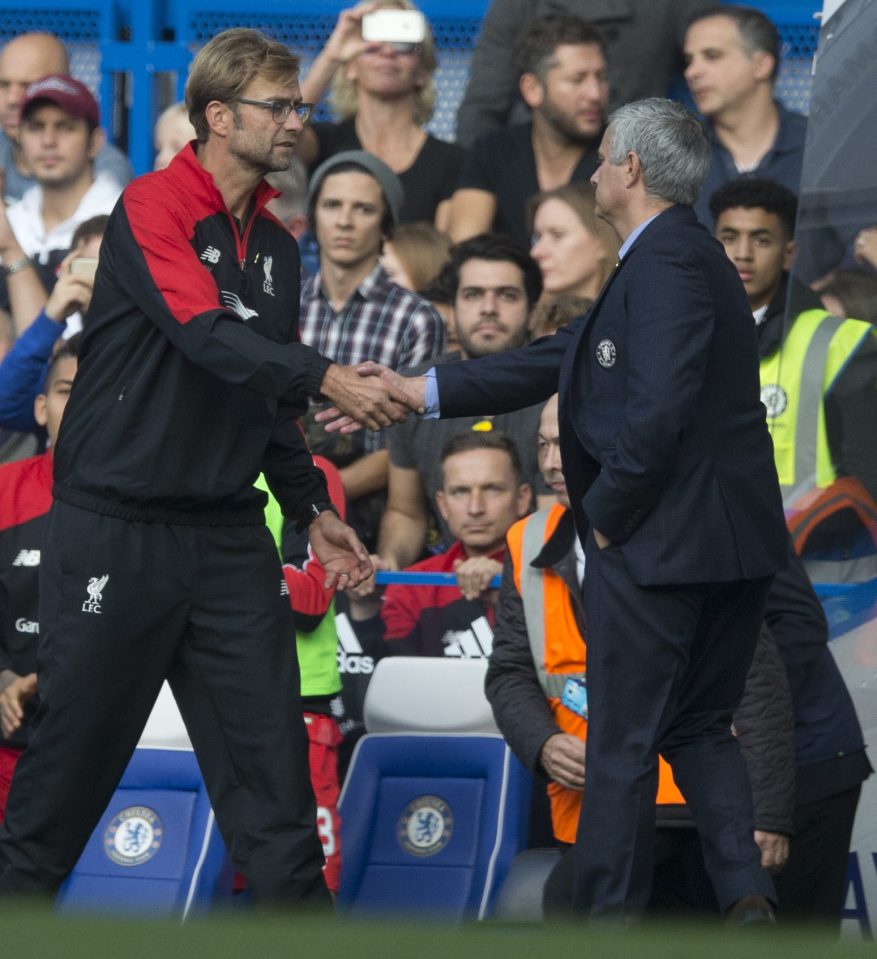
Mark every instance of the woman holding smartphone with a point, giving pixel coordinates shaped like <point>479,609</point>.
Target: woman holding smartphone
<point>383,93</point>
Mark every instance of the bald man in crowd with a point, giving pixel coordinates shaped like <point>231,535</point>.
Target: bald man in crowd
<point>24,59</point>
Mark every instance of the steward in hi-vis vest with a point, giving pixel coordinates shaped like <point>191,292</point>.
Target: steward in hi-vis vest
<point>795,381</point>
<point>819,387</point>
<point>555,622</point>
<point>818,376</point>
<point>539,656</point>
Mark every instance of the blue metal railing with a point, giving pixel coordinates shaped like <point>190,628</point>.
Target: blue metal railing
<point>385,577</point>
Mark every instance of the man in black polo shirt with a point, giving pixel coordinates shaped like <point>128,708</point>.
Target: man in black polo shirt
<point>560,63</point>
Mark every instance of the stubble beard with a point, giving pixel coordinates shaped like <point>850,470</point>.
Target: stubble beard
<point>473,351</point>
<point>567,129</point>
<point>260,161</point>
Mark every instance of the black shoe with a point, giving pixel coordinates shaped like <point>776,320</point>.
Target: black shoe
<point>748,910</point>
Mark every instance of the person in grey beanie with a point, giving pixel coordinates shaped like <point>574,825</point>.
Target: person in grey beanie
<point>389,183</point>
<point>350,308</point>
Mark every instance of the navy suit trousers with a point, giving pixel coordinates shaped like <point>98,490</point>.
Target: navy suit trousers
<point>666,669</point>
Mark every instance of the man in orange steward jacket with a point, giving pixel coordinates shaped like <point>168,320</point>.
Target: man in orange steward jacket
<point>536,684</point>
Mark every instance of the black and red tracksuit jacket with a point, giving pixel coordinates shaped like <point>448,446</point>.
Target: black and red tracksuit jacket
<point>191,377</point>
<point>25,498</point>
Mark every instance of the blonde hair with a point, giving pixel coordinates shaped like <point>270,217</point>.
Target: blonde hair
<point>343,97</point>
<point>422,250</point>
<point>175,109</point>
<point>579,197</point>
<point>227,64</point>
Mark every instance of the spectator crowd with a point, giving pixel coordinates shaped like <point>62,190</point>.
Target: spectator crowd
<point>418,252</point>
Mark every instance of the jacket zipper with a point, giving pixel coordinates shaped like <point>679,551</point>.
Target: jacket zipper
<point>241,242</point>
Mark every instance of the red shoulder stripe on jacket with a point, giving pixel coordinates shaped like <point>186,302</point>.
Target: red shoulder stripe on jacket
<point>185,284</point>
<point>25,490</point>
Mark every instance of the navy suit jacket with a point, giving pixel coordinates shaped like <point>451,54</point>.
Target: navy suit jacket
<point>663,435</point>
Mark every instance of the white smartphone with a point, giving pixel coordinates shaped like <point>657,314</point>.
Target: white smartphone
<point>394,26</point>
<point>84,267</point>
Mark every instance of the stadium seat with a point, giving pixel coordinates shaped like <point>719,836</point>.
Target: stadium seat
<point>418,694</point>
<point>156,850</point>
<point>520,898</point>
<point>165,728</point>
<point>430,821</point>
<point>430,824</point>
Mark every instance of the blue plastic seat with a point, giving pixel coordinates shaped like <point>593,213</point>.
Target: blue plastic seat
<point>157,849</point>
<point>430,824</point>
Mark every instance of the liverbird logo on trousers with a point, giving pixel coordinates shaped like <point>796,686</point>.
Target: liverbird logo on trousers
<point>95,589</point>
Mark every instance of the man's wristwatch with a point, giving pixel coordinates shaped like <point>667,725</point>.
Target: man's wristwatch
<point>16,266</point>
<point>313,511</point>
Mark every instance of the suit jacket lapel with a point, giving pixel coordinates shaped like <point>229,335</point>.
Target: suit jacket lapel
<point>575,345</point>
<point>580,467</point>
<point>665,218</point>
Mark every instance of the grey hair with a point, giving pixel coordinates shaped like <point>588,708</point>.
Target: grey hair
<point>671,144</point>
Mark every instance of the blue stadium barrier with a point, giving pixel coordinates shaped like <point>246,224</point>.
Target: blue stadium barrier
<point>407,578</point>
<point>135,55</point>
<point>847,605</point>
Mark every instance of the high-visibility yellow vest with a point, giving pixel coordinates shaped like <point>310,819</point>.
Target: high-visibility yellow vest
<point>317,659</point>
<point>795,380</point>
<point>559,653</point>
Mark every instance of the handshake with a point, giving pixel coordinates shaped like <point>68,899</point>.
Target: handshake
<point>369,395</point>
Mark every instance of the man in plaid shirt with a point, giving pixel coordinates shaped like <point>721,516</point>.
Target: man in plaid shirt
<point>351,311</point>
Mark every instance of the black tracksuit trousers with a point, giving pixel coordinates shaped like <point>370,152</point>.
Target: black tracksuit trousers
<point>200,606</point>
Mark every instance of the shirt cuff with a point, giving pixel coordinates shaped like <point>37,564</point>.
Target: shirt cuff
<point>432,410</point>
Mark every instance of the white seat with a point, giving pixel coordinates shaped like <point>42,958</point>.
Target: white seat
<point>165,728</point>
<point>427,694</point>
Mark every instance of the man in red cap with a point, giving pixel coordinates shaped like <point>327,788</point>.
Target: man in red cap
<point>24,59</point>
<point>60,136</point>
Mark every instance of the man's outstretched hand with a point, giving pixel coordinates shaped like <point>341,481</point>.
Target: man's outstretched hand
<point>338,548</point>
<point>362,396</point>
<point>394,395</point>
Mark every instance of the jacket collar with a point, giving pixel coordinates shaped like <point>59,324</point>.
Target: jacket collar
<point>558,555</point>
<point>669,219</point>
<point>787,139</point>
<point>186,165</point>
<point>774,329</point>
<point>558,545</point>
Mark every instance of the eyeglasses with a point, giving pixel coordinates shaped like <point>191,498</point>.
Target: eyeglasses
<point>280,109</point>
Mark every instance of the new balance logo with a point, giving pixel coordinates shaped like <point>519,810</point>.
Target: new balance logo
<point>476,642</point>
<point>284,589</point>
<point>27,557</point>
<point>95,590</point>
<point>210,255</point>
<point>350,658</point>
<point>231,301</point>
